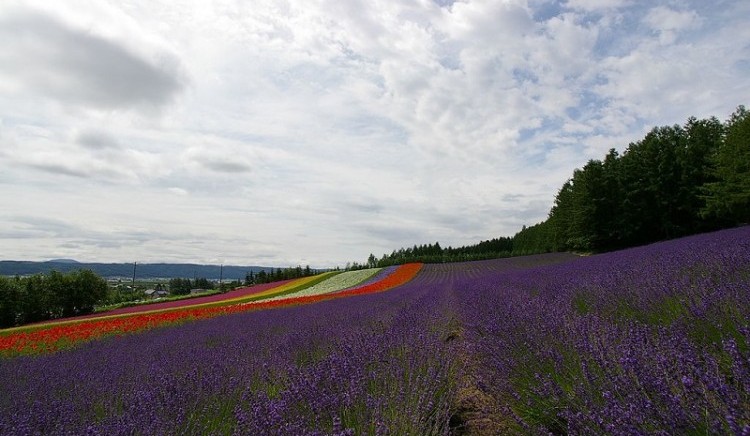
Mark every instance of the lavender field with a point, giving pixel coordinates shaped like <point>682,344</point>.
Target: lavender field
<point>651,340</point>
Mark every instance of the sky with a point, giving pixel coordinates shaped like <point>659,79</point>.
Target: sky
<point>316,132</point>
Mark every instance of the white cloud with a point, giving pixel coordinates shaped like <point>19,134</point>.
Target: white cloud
<point>44,56</point>
<point>317,132</point>
<point>596,5</point>
<point>668,22</point>
<point>665,18</point>
<point>178,191</point>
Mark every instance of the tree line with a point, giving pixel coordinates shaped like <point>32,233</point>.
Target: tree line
<point>183,286</point>
<point>676,181</point>
<point>277,274</point>
<point>434,253</point>
<point>48,296</point>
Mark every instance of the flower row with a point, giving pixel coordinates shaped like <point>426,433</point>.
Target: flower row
<point>63,335</point>
<point>336,283</point>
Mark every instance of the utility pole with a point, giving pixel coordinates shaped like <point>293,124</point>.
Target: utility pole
<point>134,264</point>
<point>221,276</point>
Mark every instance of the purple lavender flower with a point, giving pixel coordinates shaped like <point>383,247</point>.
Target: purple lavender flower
<point>650,340</point>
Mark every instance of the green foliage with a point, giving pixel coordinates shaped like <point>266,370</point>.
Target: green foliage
<point>434,253</point>
<point>581,305</point>
<point>539,238</point>
<point>203,283</point>
<point>85,290</point>
<point>180,286</point>
<point>728,197</point>
<point>49,296</point>
<point>676,181</point>
<point>10,301</point>
<point>278,274</point>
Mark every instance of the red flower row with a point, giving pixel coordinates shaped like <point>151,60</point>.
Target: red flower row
<point>58,336</point>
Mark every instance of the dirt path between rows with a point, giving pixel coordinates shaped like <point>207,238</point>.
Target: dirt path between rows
<point>476,413</point>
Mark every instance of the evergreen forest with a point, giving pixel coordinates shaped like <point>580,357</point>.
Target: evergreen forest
<point>676,181</point>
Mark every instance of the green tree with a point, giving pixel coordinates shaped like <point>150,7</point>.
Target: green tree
<point>202,283</point>
<point>85,289</point>
<point>60,294</point>
<point>535,239</point>
<point>728,198</point>
<point>10,299</point>
<point>560,219</point>
<point>372,261</point>
<point>36,300</point>
<point>704,138</point>
<point>650,176</point>
<point>180,286</point>
<point>581,209</point>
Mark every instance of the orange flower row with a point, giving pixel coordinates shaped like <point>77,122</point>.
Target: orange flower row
<point>56,337</point>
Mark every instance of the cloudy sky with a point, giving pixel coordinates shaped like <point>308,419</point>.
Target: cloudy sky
<point>315,132</point>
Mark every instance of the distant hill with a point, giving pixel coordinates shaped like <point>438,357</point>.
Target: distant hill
<point>143,271</point>
<point>63,261</point>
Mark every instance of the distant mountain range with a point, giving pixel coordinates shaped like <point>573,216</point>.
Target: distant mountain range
<point>125,270</point>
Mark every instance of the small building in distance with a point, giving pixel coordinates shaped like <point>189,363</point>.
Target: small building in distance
<point>156,293</point>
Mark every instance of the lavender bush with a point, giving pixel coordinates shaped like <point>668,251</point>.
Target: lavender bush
<point>372,365</point>
<point>651,340</point>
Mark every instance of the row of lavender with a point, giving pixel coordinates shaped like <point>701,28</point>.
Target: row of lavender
<point>376,364</point>
<point>651,340</point>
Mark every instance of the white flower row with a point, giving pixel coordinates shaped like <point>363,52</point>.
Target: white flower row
<point>335,283</point>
